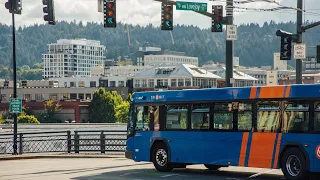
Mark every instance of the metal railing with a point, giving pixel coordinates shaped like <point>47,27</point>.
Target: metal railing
<point>65,141</point>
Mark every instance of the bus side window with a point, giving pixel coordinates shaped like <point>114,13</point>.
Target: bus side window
<point>296,117</point>
<point>223,116</point>
<point>268,116</point>
<point>200,117</point>
<point>317,117</point>
<point>245,117</point>
<point>142,121</point>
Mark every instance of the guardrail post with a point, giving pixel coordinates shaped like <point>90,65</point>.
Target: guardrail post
<point>102,142</point>
<point>21,143</point>
<point>69,141</point>
<point>76,142</point>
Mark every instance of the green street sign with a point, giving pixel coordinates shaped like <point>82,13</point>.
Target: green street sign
<point>15,105</point>
<point>191,6</point>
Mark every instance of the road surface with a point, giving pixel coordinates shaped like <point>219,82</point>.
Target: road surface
<point>120,169</point>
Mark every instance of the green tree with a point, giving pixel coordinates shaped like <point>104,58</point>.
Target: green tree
<point>50,112</point>
<point>102,106</point>
<point>122,112</point>
<point>28,119</point>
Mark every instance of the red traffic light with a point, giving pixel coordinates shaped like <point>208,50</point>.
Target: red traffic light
<point>110,5</point>
<point>168,9</point>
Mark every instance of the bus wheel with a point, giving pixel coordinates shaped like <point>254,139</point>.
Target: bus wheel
<point>160,158</point>
<point>212,167</point>
<point>293,164</point>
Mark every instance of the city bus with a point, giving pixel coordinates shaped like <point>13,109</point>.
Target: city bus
<point>275,127</point>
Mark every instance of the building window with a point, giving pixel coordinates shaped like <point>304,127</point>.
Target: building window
<point>73,96</point>
<point>188,82</point>
<point>173,83</point>
<point>65,96</point>
<point>121,83</point>
<point>151,83</point>
<point>144,83</point>
<point>53,96</point>
<point>81,96</point>
<point>112,83</point>
<point>93,84</point>
<point>137,83</point>
<point>72,84</point>
<point>81,83</point>
<point>88,96</point>
<point>180,83</point>
<point>27,97</point>
<point>39,97</point>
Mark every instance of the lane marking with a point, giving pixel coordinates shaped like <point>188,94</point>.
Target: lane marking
<point>129,173</point>
<point>260,173</point>
<point>169,175</point>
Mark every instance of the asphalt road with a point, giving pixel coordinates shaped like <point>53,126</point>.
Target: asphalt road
<point>120,169</point>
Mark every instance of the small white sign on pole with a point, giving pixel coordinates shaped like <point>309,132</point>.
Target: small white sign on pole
<point>232,33</point>
<point>300,51</point>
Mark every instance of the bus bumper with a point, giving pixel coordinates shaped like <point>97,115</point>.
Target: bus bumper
<point>128,154</point>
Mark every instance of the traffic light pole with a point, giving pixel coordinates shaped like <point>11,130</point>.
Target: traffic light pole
<point>299,40</point>
<point>15,123</point>
<point>229,48</point>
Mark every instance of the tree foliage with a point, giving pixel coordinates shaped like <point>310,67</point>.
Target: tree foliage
<point>122,112</point>
<point>28,119</point>
<point>50,112</point>
<point>255,45</point>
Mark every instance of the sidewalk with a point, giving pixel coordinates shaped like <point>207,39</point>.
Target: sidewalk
<point>59,155</point>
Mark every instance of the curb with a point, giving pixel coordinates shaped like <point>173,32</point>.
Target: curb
<point>58,157</point>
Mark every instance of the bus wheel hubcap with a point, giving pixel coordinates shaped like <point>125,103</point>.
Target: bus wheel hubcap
<point>161,157</point>
<point>293,165</point>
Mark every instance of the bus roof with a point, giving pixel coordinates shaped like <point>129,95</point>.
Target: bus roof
<point>305,91</point>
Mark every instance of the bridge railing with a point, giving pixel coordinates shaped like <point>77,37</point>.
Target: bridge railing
<point>65,141</point>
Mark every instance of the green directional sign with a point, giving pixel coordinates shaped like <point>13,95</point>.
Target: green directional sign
<point>15,105</point>
<point>191,6</point>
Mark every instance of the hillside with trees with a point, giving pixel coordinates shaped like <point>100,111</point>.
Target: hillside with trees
<point>255,45</point>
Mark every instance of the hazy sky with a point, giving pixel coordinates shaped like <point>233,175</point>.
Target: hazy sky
<point>143,12</point>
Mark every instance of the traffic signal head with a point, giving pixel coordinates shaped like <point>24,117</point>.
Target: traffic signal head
<point>167,17</point>
<point>217,18</point>
<point>109,13</point>
<point>49,10</point>
<point>286,44</point>
<point>14,6</point>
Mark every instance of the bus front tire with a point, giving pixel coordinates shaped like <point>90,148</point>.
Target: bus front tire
<point>212,167</point>
<point>160,158</point>
<point>293,164</point>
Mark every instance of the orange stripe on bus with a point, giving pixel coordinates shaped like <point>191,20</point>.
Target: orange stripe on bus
<point>253,92</point>
<point>261,151</point>
<point>277,151</point>
<point>288,91</point>
<point>243,150</point>
<point>272,92</point>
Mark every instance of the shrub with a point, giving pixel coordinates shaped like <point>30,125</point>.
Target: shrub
<point>28,119</point>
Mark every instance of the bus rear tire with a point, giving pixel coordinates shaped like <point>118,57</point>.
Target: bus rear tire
<point>160,158</point>
<point>212,167</point>
<point>293,164</point>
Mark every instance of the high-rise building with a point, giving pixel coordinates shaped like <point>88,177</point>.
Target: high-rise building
<point>72,58</point>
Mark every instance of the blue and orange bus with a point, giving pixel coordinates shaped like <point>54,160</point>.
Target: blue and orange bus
<point>275,127</point>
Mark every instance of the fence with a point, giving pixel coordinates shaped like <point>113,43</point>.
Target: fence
<point>65,141</point>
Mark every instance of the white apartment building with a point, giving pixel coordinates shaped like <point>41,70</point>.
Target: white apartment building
<point>166,59</point>
<point>259,74</point>
<point>72,57</point>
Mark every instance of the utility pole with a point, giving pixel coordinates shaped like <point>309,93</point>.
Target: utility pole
<point>229,45</point>
<point>14,7</point>
<point>299,40</point>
